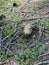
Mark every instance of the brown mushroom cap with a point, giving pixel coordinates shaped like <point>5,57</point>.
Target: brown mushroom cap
<point>28,29</point>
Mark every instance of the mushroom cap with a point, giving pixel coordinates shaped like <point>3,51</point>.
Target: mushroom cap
<point>28,29</point>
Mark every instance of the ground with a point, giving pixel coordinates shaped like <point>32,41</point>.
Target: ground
<point>11,13</point>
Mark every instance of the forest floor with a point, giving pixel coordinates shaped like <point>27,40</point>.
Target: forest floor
<point>27,10</point>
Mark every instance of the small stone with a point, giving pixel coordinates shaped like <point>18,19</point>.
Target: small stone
<point>34,36</point>
<point>47,43</point>
<point>7,61</point>
<point>1,63</point>
<point>15,63</point>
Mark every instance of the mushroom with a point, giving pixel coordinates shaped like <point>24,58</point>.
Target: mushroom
<point>28,29</point>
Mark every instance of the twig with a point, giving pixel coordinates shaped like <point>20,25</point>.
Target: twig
<point>4,38</point>
<point>28,19</point>
<point>46,31</point>
<point>34,18</point>
<point>46,39</point>
<point>43,62</point>
<point>44,54</point>
<point>8,50</point>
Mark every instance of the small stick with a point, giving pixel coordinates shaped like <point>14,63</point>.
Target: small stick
<point>4,38</point>
<point>34,18</point>
<point>46,39</point>
<point>43,62</point>
<point>44,54</point>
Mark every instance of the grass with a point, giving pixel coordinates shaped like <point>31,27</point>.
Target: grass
<point>44,22</point>
<point>30,54</point>
<point>7,28</point>
<point>5,56</point>
<point>4,10</point>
